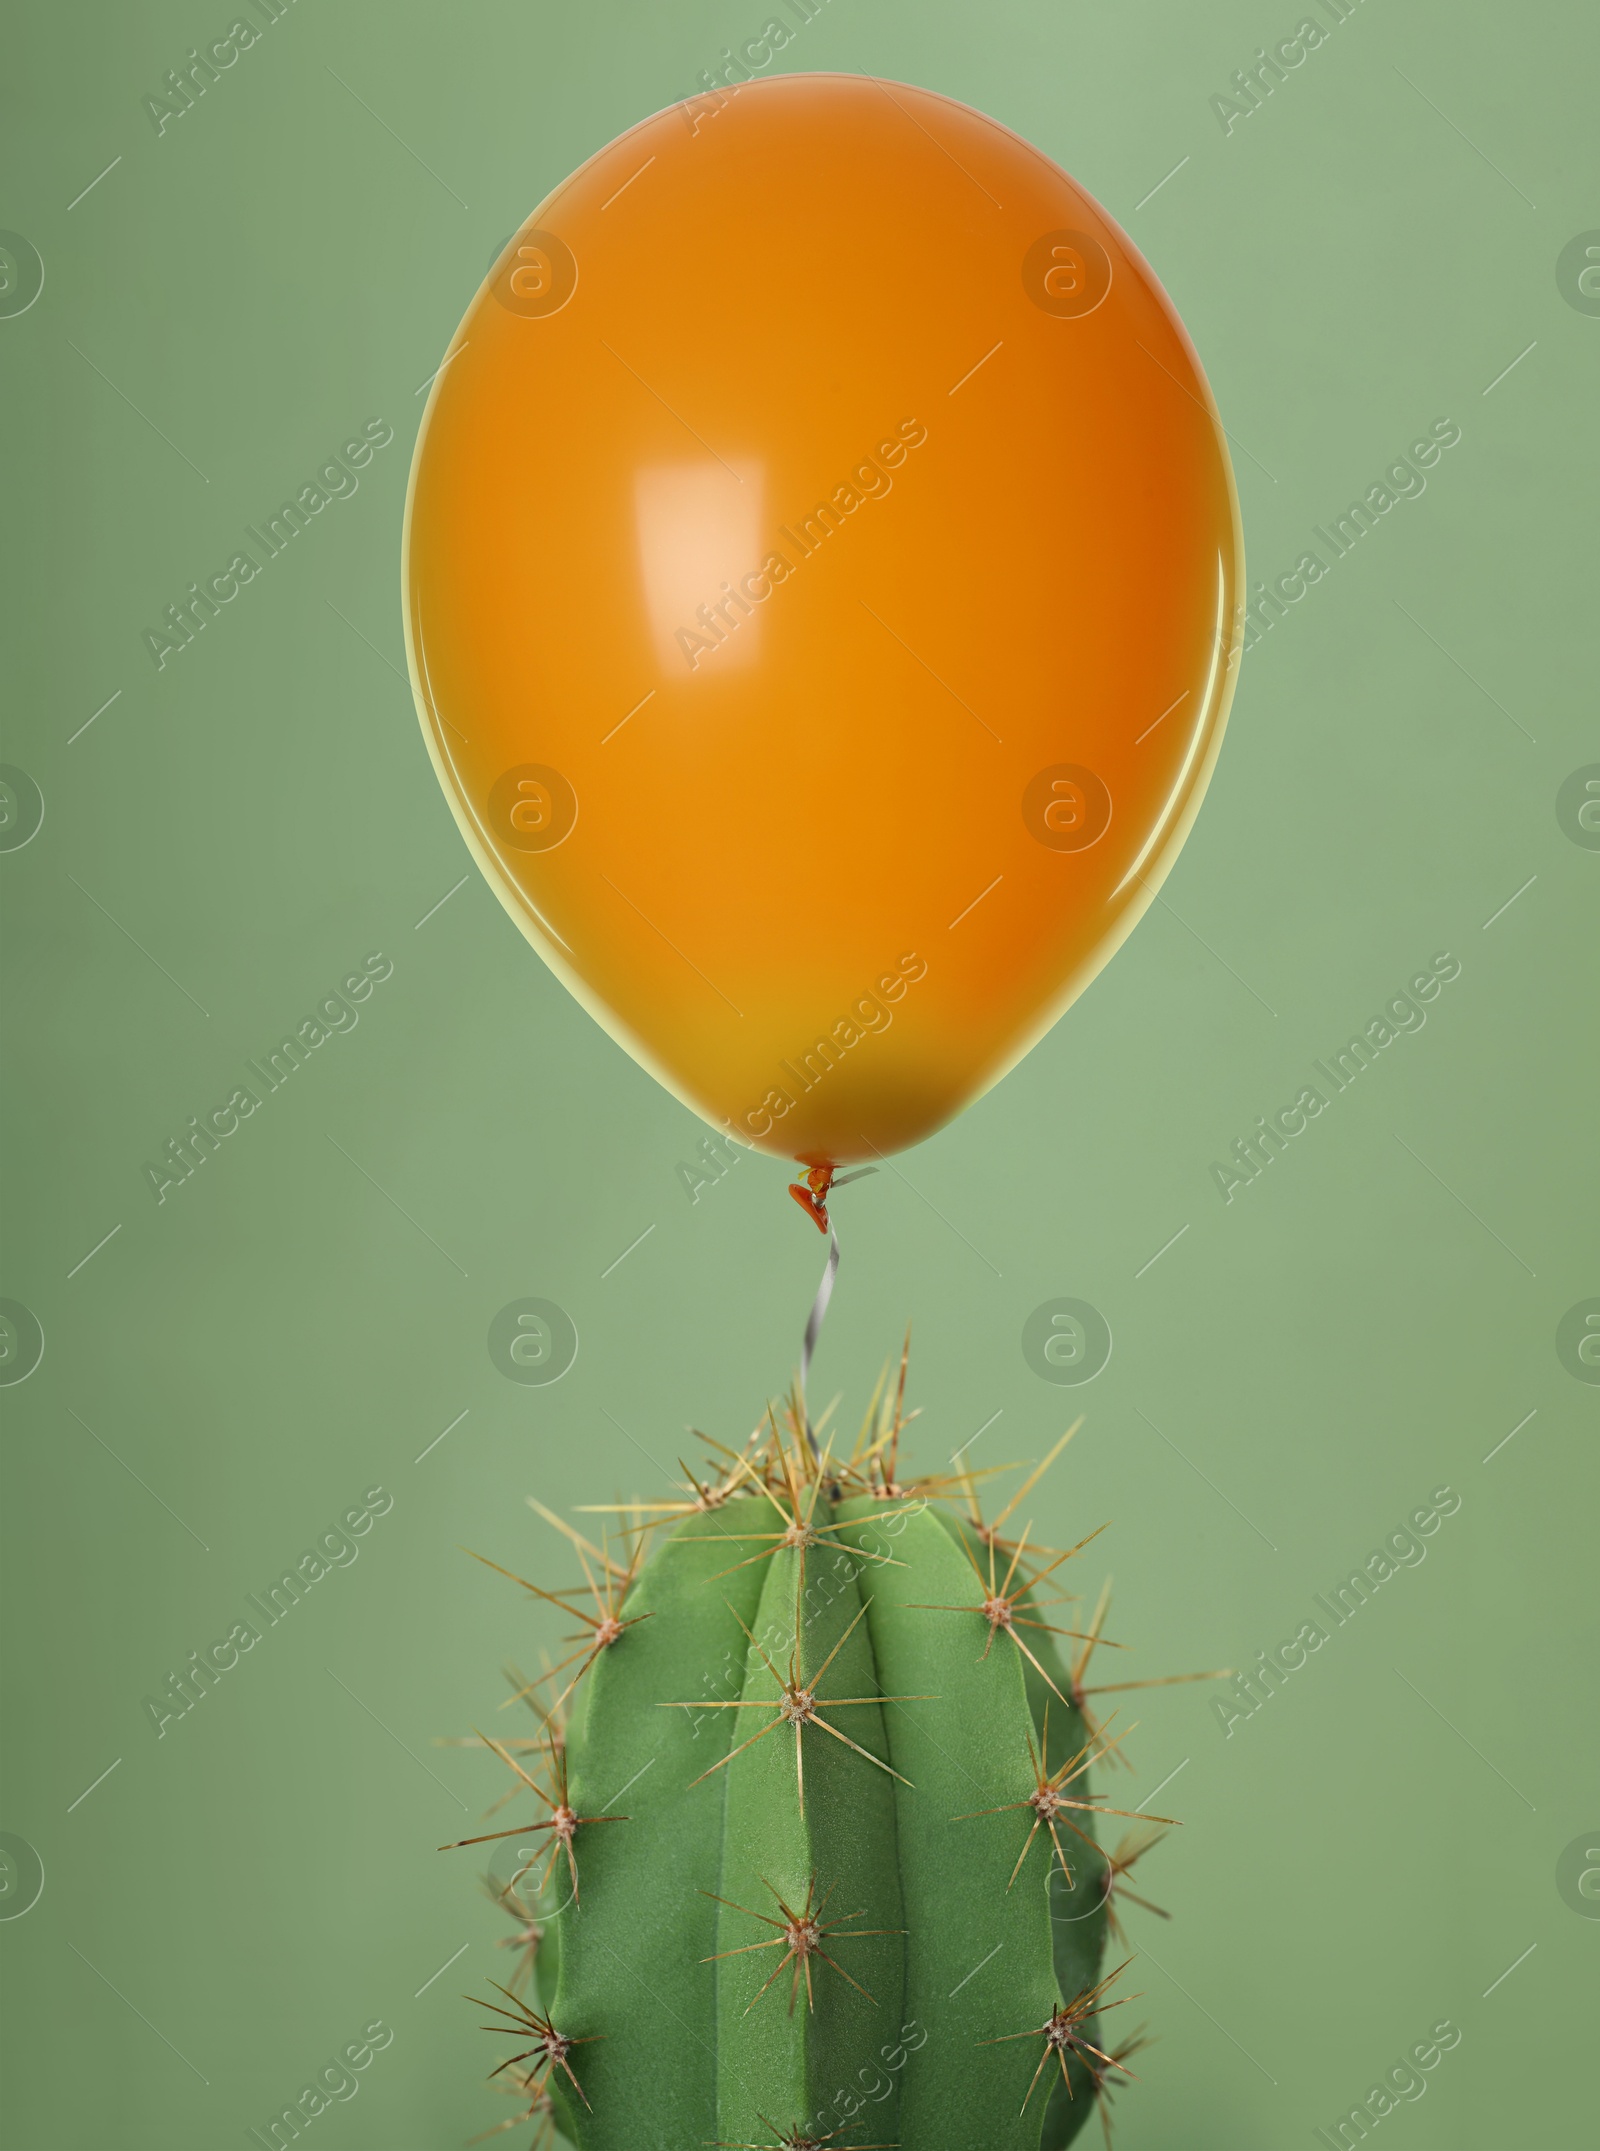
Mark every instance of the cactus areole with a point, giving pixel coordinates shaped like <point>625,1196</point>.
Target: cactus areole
<point>813,1858</point>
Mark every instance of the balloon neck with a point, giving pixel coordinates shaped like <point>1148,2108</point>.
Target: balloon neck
<point>812,1194</point>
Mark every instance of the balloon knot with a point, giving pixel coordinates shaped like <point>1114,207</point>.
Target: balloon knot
<point>812,1194</point>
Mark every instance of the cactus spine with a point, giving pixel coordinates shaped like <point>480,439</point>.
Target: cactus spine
<point>816,1854</point>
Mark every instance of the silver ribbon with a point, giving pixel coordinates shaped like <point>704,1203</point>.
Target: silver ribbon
<point>819,1306</point>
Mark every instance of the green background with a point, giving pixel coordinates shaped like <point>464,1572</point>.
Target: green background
<point>1368,1854</point>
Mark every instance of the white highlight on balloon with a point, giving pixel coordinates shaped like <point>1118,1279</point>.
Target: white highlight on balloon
<point>699,532</point>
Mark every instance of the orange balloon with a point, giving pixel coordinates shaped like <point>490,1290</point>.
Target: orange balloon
<point>821,558</point>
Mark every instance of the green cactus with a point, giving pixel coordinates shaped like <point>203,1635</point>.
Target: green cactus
<point>814,1859</point>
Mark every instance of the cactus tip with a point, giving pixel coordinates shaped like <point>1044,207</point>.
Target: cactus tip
<point>549,2050</point>
<point>1063,2034</point>
<point>797,1703</point>
<point>801,1934</point>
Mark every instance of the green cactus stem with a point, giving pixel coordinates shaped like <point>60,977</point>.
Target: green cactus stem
<point>815,1861</point>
